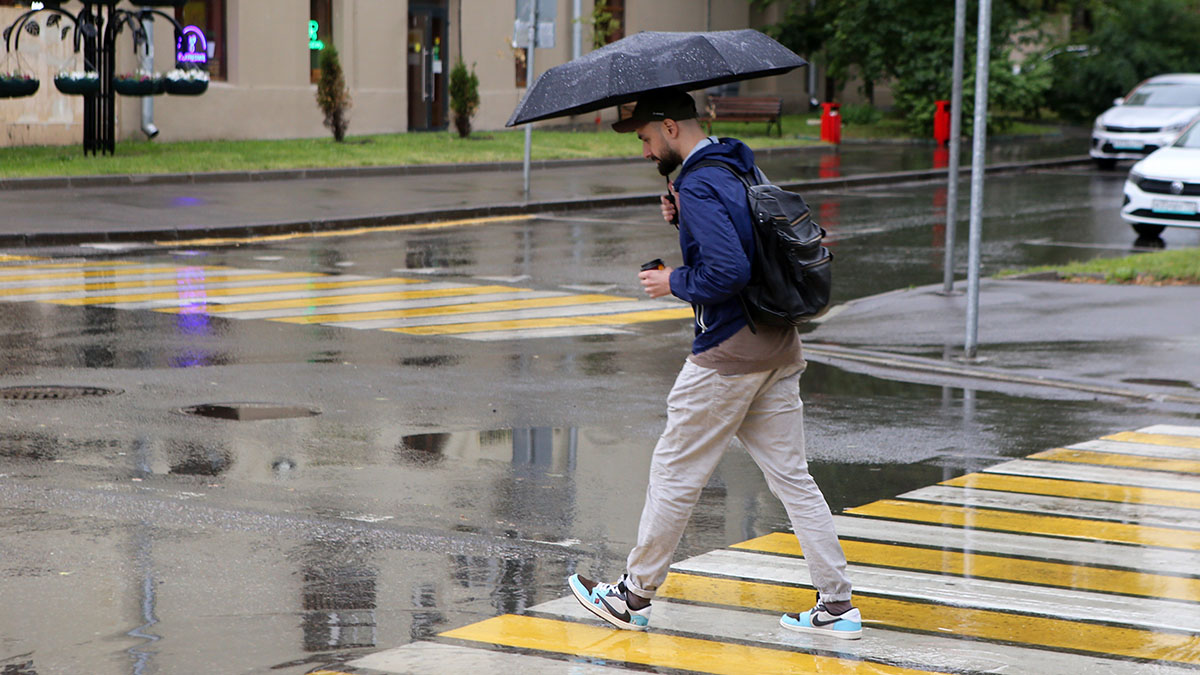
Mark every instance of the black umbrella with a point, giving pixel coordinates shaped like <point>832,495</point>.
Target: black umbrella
<point>618,73</point>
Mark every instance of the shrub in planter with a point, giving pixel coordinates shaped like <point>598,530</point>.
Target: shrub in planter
<point>78,82</point>
<point>464,97</point>
<point>333,96</point>
<point>140,83</point>
<point>16,85</point>
<point>186,82</point>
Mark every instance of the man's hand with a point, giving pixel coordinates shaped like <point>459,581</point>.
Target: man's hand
<point>669,204</point>
<point>656,283</point>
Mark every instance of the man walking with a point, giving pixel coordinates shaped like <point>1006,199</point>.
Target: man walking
<point>736,382</point>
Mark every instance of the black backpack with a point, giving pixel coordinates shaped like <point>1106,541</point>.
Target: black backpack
<point>791,274</point>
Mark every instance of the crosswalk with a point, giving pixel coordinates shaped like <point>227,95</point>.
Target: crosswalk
<point>412,306</point>
<point>1083,559</point>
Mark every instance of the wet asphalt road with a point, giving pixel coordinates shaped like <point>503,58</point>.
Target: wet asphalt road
<point>444,480</point>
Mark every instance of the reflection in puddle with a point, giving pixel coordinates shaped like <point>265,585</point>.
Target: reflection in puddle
<point>338,597</point>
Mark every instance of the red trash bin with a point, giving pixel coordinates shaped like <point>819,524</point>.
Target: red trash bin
<point>941,122</point>
<point>831,123</point>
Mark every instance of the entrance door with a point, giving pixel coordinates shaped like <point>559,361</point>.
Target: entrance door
<point>427,71</point>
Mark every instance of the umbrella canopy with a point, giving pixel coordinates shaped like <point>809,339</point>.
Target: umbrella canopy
<point>618,73</point>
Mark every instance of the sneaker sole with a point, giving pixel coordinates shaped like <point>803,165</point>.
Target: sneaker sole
<point>842,634</point>
<point>587,603</point>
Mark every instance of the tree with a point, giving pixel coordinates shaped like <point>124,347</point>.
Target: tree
<point>464,97</point>
<point>333,96</point>
<point>1128,41</point>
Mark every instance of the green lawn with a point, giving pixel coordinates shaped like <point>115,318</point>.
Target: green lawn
<point>1160,267</point>
<point>149,157</point>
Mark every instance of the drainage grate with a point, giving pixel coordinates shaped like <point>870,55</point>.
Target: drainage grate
<point>250,411</point>
<point>52,392</point>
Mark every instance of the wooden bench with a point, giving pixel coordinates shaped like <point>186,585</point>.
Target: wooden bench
<point>767,109</point>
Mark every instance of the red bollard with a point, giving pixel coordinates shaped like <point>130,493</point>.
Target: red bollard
<point>941,122</point>
<point>831,123</point>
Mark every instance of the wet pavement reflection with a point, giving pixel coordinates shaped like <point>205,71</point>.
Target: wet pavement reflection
<point>446,481</point>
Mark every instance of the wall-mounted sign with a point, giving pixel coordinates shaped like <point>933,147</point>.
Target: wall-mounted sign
<point>191,47</point>
<point>314,42</point>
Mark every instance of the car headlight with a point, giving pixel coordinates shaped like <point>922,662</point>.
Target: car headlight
<point>1175,128</point>
<point>1135,177</point>
<point>1098,125</point>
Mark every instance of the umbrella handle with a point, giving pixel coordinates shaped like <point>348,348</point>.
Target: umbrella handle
<point>671,198</point>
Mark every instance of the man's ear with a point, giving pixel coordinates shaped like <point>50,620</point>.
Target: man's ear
<point>670,128</point>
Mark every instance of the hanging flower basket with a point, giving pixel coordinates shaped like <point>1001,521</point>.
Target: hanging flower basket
<point>138,84</point>
<point>78,83</point>
<point>189,82</point>
<point>17,85</point>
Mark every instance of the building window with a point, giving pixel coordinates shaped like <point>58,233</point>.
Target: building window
<point>320,33</point>
<point>208,16</point>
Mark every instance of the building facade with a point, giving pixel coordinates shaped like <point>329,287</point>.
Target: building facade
<point>396,55</point>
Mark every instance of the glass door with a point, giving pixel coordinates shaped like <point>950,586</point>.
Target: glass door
<point>427,68</point>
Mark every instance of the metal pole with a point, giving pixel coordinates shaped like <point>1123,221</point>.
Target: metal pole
<point>529,83</point>
<point>977,158</point>
<point>577,30</point>
<point>956,95</point>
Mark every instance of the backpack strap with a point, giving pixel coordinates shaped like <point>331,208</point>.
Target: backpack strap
<point>746,181</point>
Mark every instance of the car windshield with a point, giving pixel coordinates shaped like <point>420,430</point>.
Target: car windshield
<point>1164,95</point>
<point>1190,138</point>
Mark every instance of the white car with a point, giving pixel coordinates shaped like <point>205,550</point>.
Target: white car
<point>1150,117</point>
<point>1163,190</point>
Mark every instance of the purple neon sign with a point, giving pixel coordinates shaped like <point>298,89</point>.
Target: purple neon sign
<point>191,47</point>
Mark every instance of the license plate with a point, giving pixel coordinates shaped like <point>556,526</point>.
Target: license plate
<point>1128,145</point>
<point>1178,208</point>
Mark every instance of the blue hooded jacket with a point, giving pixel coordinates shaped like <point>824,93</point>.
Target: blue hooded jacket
<point>716,237</point>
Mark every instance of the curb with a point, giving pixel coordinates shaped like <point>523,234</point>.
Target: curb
<point>483,211</point>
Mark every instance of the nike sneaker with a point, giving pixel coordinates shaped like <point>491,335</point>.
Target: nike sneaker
<point>847,625</point>
<point>609,602</point>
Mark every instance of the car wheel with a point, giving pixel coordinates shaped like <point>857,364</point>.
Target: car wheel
<point>1145,230</point>
<point>1106,163</point>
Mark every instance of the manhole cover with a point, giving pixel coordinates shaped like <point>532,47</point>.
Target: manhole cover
<point>52,392</point>
<point>250,411</point>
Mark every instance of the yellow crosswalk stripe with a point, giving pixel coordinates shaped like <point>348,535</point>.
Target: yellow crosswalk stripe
<point>656,649</point>
<point>327,300</point>
<point>988,519</point>
<point>448,310</point>
<point>555,322</point>
<point>349,232</point>
<point>985,566</point>
<point>4,257</point>
<point>1054,487</point>
<point>145,283</point>
<point>220,292</point>
<point>63,265</point>
<point>100,273</point>
<point>945,620</point>
<point>1155,439</point>
<point>1112,459</point>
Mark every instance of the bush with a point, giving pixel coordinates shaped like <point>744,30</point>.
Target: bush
<point>1131,41</point>
<point>332,94</point>
<point>861,114</point>
<point>464,97</point>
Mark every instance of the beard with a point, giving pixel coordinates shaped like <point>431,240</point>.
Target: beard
<point>669,161</point>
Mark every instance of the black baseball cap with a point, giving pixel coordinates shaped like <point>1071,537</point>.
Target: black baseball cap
<point>656,106</point>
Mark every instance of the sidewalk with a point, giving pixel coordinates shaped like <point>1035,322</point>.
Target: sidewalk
<point>40,212</point>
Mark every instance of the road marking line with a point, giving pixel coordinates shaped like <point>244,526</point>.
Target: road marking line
<point>429,291</point>
<point>534,333</point>
<point>1143,514</point>
<point>453,309</point>
<point>1112,459</point>
<point>82,291</point>
<point>1171,430</point>
<point>945,620</point>
<point>1076,489</point>
<point>1092,473</point>
<point>13,269</point>
<point>1141,449</point>
<point>106,273</point>
<point>204,291</point>
<point>988,519</point>
<point>655,649</point>
<point>516,324</point>
<point>1155,439</point>
<point>995,567</point>
<point>349,232</point>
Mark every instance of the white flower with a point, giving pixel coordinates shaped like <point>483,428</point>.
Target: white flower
<point>187,75</point>
<point>78,75</point>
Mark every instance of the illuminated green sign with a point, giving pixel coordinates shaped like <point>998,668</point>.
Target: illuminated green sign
<point>314,42</point>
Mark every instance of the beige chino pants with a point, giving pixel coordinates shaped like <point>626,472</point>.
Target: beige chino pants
<point>705,410</point>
